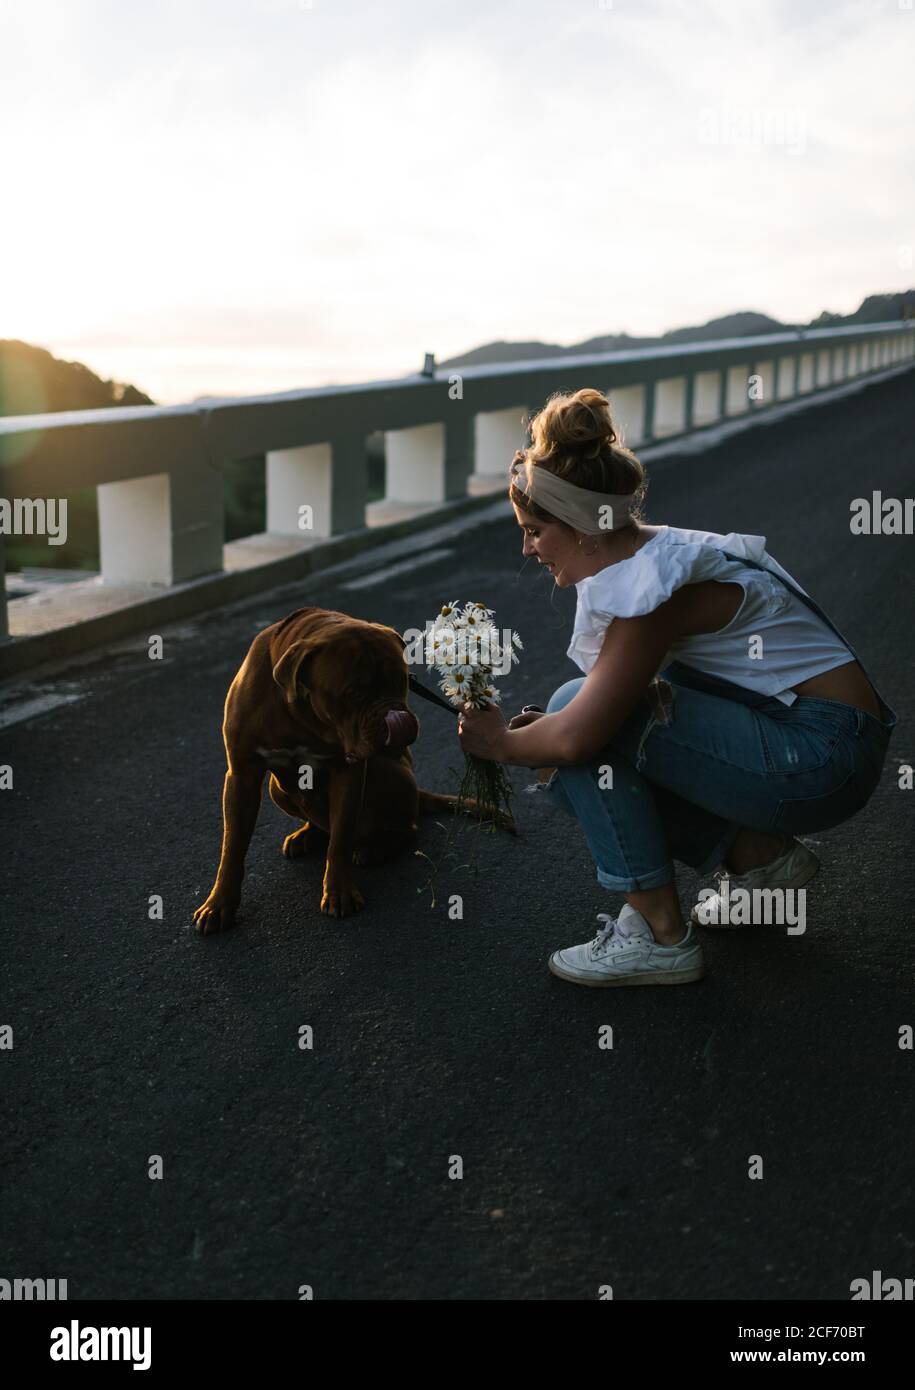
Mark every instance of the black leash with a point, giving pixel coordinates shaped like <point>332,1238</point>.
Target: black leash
<point>431,695</point>
<point>437,699</point>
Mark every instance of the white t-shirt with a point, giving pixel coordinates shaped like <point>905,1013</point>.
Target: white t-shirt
<point>796,643</point>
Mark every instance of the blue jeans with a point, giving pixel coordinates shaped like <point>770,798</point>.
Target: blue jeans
<point>682,790</point>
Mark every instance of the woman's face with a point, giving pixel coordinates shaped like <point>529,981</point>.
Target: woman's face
<point>552,545</point>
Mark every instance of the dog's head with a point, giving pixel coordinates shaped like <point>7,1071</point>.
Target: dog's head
<point>352,677</point>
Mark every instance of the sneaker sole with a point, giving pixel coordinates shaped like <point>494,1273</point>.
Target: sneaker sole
<point>683,977</point>
<point>797,881</point>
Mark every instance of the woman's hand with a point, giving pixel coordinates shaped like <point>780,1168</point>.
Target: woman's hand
<point>520,720</point>
<point>482,732</point>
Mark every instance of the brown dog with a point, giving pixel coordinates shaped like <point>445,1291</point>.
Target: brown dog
<point>321,697</point>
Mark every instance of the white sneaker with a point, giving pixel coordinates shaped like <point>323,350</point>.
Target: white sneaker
<point>624,952</point>
<point>792,869</point>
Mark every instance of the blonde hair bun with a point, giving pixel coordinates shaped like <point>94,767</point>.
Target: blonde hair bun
<point>576,437</point>
<point>575,423</point>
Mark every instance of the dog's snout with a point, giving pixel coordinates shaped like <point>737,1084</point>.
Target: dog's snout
<point>401,727</point>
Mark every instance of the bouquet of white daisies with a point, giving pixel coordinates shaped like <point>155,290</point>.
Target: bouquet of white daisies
<point>463,646</point>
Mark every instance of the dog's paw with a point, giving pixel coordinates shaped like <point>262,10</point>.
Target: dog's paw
<point>340,897</point>
<point>216,914</point>
<point>309,839</point>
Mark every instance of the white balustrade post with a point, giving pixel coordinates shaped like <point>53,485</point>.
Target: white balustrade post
<point>785,384</point>
<point>497,435</point>
<point>838,364</point>
<point>737,398</point>
<point>706,398</point>
<point>314,491</point>
<point>162,529</point>
<point>670,406</point>
<point>414,473</point>
<point>627,406</point>
<point>766,373</point>
<point>415,461</point>
<point>299,492</point>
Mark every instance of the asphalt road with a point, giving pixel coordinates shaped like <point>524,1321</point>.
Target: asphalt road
<point>433,1037</point>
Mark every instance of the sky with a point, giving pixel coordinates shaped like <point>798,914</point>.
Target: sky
<point>234,198</point>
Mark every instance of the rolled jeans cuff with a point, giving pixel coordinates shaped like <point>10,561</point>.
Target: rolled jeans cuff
<point>658,878</point>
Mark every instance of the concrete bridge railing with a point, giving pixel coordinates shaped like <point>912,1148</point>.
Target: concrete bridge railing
<point>448,435</point>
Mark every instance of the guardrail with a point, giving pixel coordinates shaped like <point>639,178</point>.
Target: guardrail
<point>448,435</point>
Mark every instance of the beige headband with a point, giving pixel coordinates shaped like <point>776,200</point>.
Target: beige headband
<point>590,512</point>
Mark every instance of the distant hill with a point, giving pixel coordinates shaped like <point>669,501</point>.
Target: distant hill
<point>876,308</point>
<point>33,382</point>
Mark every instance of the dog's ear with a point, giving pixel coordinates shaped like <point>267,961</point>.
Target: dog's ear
<point>288,671</point>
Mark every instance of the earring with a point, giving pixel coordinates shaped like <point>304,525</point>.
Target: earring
<point>587,552</point>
